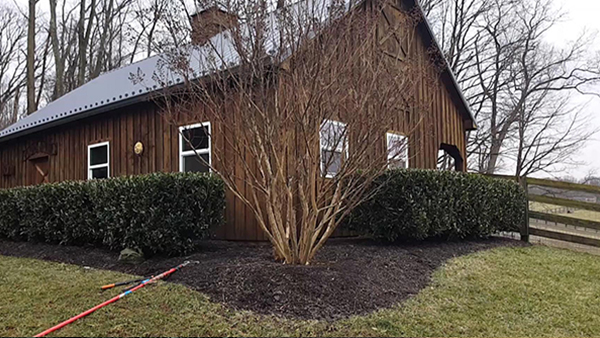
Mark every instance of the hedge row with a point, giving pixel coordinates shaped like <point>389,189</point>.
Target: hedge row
<point>156,213</point>
<point>419,204</point>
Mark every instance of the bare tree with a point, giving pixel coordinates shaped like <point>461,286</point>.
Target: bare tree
<point>108,32</point>
<point>148,19</point>
<point>87,40</point>
<point>431,6</point>
<point>158,27</point>
<point>548,131</point>
<point>548,135</point>
<point>458,23</point>
<point>59,61</point>
<point>87,15</point>
<point>80,41</point>
<point>31,107</point>
<point>591,178</point>
<point>497,50</point>
<point>13,39</point>
<point>299,120</point>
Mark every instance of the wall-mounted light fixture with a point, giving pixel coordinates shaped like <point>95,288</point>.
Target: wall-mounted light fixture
<point>138,148</point>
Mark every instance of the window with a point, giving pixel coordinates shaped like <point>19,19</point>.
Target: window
<point>333,145</point>
<point>397,148</point>
<point>194,148</point>
<point>98,160</point>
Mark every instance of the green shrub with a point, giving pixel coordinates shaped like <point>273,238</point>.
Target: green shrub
<point>419,204</point>
<point>156,213</point>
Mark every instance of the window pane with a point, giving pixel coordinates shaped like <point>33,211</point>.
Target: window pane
<point>397,151</point>
<point>192,163</point>
<point>333,135</point>
<point>197,137</point>
<point>100,172</point>
<point>396,146</point>
<point>332,161</point>
<point>99,155</point>
<point>397,164</point>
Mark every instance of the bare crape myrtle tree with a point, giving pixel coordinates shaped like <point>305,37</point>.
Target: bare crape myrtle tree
<point>300,99</point>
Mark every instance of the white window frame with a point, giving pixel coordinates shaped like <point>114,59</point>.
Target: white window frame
<point>98,166</point>
<point>390,136</point>
<point>324,147</point>
<point>196,152</point>
<point>441,152</point>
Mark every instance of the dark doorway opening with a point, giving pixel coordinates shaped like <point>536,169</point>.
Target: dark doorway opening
<point>449,158</point>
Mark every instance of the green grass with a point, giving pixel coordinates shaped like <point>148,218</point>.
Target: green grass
<point>533,291</point>
<point>583,214</point>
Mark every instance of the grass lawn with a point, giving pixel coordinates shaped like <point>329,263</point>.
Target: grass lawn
<point>583,214</point>
<point>532,291</point>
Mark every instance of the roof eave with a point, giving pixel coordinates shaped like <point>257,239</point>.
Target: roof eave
<point>75,117</point>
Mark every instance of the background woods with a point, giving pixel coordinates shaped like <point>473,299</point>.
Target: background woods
<point>518,83</point>
<point>72,42</point>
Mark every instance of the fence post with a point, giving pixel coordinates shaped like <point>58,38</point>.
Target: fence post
<point>525,226</point>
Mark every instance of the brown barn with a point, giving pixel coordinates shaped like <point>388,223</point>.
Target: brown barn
<point>108,127</point>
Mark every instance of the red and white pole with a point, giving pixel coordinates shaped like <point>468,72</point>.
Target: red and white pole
<point>112,300</point>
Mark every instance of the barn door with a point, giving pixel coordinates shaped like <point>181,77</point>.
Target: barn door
<point>38,171</point>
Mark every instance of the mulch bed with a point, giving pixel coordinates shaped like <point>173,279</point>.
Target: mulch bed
<point>349,276</point>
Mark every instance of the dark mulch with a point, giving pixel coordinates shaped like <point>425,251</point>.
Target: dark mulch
<point>349,276</point>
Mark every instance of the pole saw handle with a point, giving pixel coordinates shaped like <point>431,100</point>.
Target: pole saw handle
<point>108,286</point>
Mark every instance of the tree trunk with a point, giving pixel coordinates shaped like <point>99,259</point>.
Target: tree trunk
<point>38,96</point>
<point>59,62</point>
<point>84,39</point>
<point>15,113</point>
<point>31,108</point>
<point>493,159</point>
<point>81,43</point>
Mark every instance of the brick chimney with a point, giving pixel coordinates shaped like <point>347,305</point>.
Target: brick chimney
<point>210,22</point>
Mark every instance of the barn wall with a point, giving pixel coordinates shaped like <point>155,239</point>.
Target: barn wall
<point>122,128</point>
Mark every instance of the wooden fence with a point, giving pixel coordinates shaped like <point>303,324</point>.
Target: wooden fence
<point>533,225</point>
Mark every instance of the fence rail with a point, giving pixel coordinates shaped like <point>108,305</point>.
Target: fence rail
<point>573,236</point>
<point>562,185</point>
<point>565,202</point>
<point>577,222</point>
<point>567,237</point>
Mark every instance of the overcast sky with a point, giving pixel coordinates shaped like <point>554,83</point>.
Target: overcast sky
<point>581,15</point>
